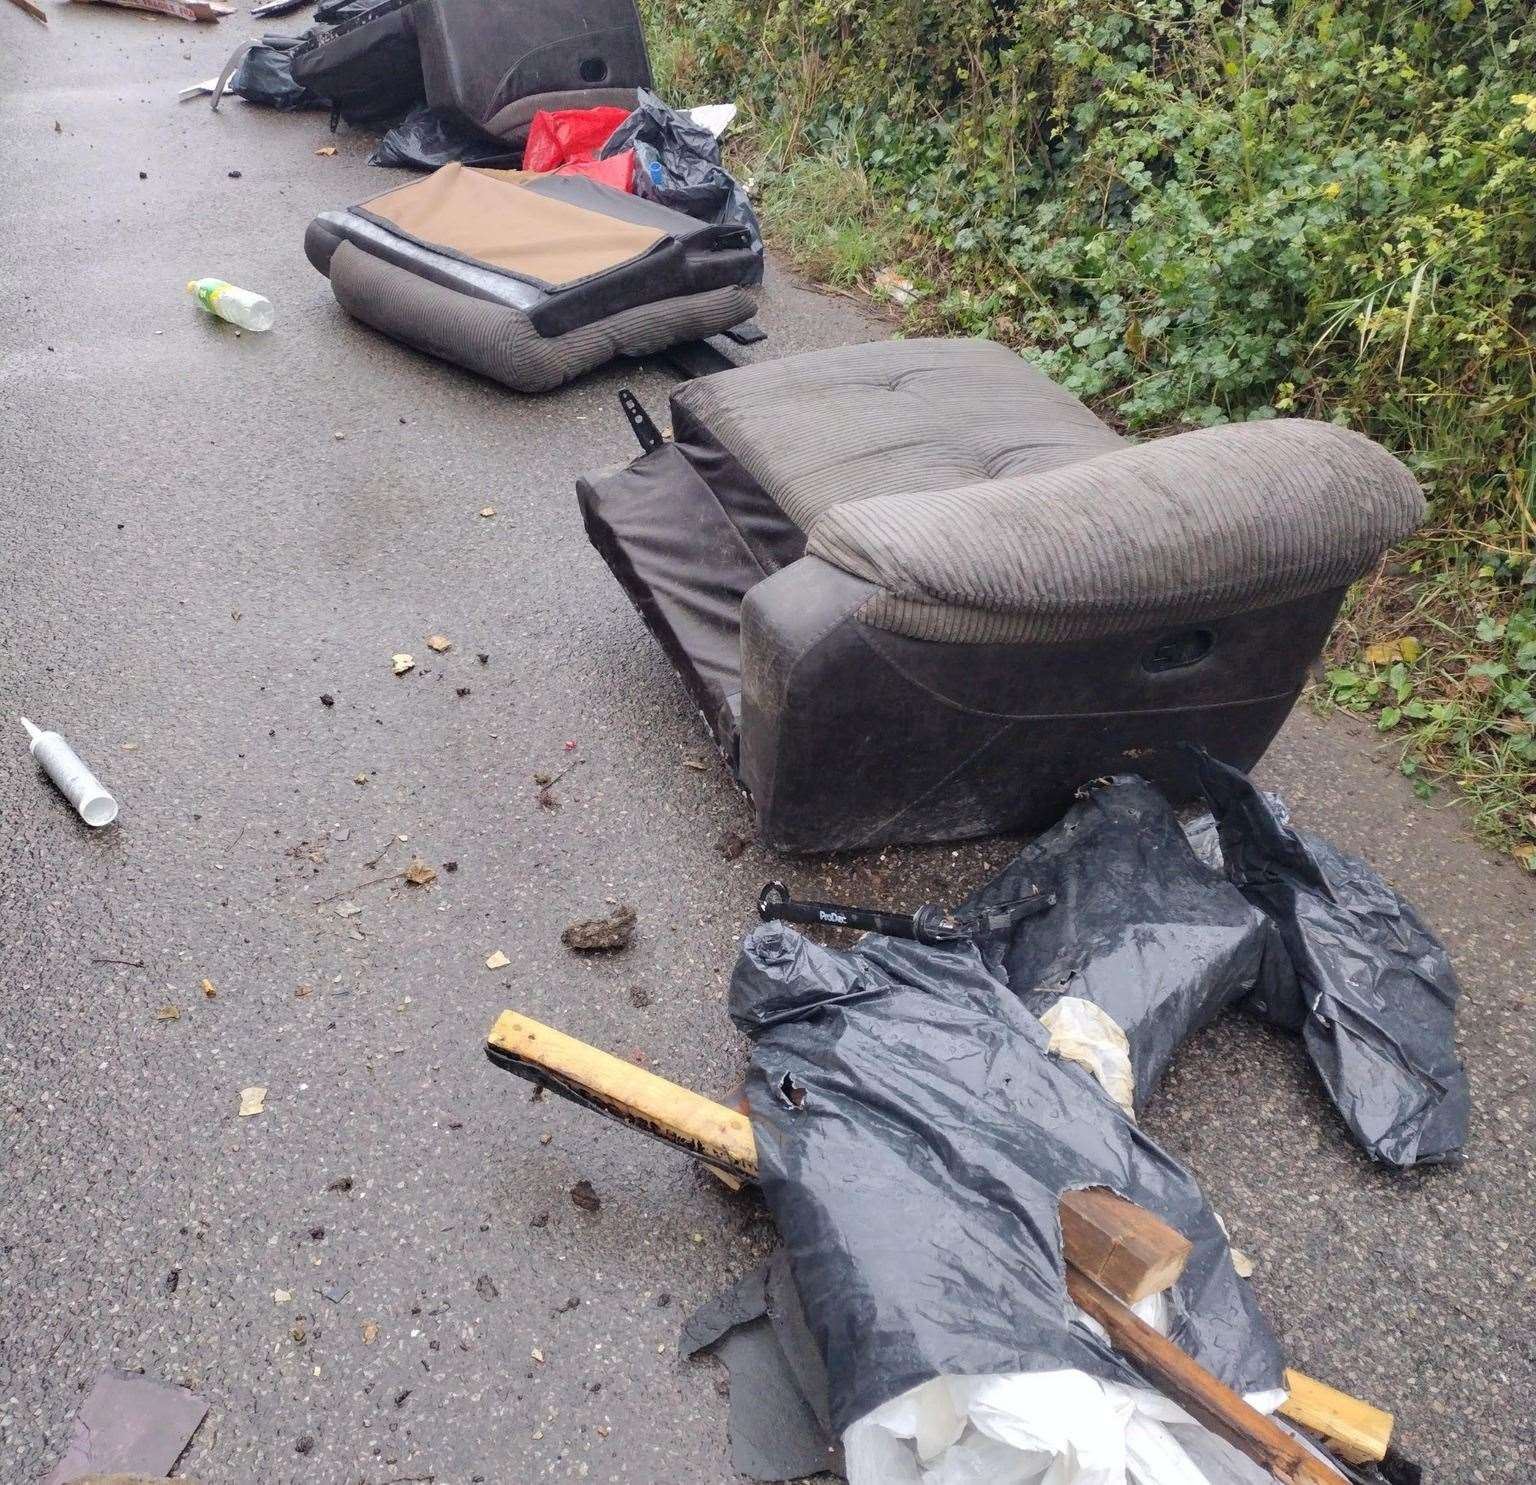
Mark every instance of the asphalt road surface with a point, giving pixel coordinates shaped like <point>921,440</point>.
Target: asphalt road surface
<point>201,536</point>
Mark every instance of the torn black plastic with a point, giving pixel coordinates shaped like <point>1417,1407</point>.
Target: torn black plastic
<point>916,1184</point>
<point>1374,993</point>
<point>677,162</point>
<point>1141,927</point>
<point>428,138</point>
<point>1283,925</point>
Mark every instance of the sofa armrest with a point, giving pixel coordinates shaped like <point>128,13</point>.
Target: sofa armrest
<point>1172,531</point>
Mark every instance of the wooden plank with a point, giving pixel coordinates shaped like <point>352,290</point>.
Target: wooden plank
<point>33,9</point>
<point>1180,1377</point>
<point>1121,1246</point>
<point>679,1115</point>
<point>1354,1430</point>
<point>1126,1248</point>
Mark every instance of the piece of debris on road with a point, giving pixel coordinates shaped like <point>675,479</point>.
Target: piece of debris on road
<point>585,1197</point>
<point>402,663</point>
<point>598,935</point>
<point>252,1101</point>
<point>498,960</point>
<point>419,874</point>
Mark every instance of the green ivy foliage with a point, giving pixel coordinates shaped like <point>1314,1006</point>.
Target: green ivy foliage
<point>1193,211</point>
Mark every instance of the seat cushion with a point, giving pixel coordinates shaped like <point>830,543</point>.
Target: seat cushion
<point>889,418</point>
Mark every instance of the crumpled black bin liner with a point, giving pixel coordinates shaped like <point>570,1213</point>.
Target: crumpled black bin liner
<point>1294,931</point>
<point>1375,995</point>
<point>677,162</point>
<point>914,1138</point>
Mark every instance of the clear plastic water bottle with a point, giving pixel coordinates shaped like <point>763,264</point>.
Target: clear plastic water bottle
<point>239,306</point>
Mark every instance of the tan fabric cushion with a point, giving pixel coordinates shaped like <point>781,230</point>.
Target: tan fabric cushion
<point>487,216</point>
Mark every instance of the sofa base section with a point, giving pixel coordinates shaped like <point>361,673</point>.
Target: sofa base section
<point>854,737</point>
<point>846,736</point>
<point>500,342</point>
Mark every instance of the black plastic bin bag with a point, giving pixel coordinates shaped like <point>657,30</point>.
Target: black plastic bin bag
<point>1141,927</point>
<point>1376,995</point>
<point>914,1138</point>
<point>677,162</point>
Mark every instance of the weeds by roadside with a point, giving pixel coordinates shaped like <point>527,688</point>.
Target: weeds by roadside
<point>1198,212</point>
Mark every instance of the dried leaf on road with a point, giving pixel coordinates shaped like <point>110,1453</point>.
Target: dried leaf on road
<point>487,510</point>
<point>346,910</point>
<point>498,960</point>
<point>1242,1264</point>
<point>209,989</point>
<point>602,934</point>
<point>585,1197</point>
<point>485,1287</point>
<point>438,643</point>
<point>168,1013</point>
<point>370,1333</point>
<point>419,874</point>
<point>326,149</point>
<point>402,663</point>
<point>1390,651</point>
<point>252,1101</point>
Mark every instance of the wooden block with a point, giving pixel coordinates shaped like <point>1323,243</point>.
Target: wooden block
<point>1206,1399</point>
<point>1354,1430</point>
<point>33,9</point>
<point>678,1115</point>
<point>1121,1246</point>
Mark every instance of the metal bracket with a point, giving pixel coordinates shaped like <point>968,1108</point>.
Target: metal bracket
<point>647,434</point>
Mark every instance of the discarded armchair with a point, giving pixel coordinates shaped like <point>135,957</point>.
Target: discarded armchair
<point>919,592</point>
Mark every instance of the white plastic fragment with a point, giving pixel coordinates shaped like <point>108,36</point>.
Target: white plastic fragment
<point>74,780</point>
<point>1088,1035</point>
<point>716,117</point>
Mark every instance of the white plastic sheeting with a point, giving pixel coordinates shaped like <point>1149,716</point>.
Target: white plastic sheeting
<point>1044,1428</point>
<point>1089,1036</point>
<point>1039,1428</point>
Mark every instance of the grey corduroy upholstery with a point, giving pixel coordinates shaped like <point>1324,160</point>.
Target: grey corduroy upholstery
<point>498,341</point>
<point>988,505</point>
<point>890,418</point>
<point>1190,527</point>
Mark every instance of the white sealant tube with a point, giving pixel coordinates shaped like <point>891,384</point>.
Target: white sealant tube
<point>75,781</point>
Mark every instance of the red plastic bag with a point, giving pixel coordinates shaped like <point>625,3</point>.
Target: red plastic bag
<point>617,170</point>
<point>569,136</point>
